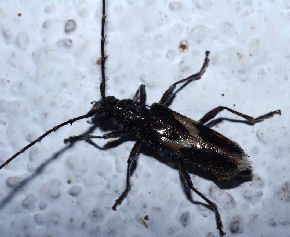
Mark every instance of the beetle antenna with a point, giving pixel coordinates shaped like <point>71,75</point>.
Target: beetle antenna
<point>55,128</point>
<point>103,58</point>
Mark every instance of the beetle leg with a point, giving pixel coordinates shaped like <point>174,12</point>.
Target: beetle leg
<point>140,95</point>
<point>211,114</point>
<point>168,96</point>
<point>109,144</point>
<point>86,137</point>
<point>132,158</point>
<point>211,204</point>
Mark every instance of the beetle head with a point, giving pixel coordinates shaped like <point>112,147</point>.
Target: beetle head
<point>104,107</point>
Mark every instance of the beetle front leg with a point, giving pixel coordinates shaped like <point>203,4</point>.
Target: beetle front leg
<point>132,157</point>
<point>211,114</point>
<point>140,95</point>
<point>211,204</point>
<point>170,93</point>
<point>114,134</point>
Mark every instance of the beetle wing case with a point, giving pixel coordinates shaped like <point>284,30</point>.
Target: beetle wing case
<point>198,144</point>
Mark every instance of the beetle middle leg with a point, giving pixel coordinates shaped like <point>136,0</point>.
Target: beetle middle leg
<point>211,114</point>
<point>211,204</point>
<point>169,94</point>
<point>132,158</point>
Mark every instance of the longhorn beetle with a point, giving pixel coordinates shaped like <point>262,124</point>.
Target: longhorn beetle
<point>157,125</point>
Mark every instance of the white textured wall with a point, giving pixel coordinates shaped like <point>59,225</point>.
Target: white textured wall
<point>48,76</point>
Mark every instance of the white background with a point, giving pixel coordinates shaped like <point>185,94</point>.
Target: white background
<point>48,76</point>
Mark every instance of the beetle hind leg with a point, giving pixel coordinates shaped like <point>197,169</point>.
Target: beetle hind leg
<point>212,205</point>
<point>211,114</point>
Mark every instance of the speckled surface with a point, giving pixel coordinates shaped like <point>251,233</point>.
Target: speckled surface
<point>49,74</point>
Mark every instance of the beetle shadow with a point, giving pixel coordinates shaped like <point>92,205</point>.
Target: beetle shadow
<point>28,179</point>
<point>38,171</point>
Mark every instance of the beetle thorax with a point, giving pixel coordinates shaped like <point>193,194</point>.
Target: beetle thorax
<point>130,113</point>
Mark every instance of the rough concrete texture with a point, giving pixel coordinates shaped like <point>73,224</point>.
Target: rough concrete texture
<point>49,74</point>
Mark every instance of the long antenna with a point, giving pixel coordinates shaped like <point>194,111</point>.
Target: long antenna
<point>87,115</point>
<point>103,59</point>
<point>71,121</point>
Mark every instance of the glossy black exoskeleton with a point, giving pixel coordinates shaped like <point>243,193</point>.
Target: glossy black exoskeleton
<point>186,139</point>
